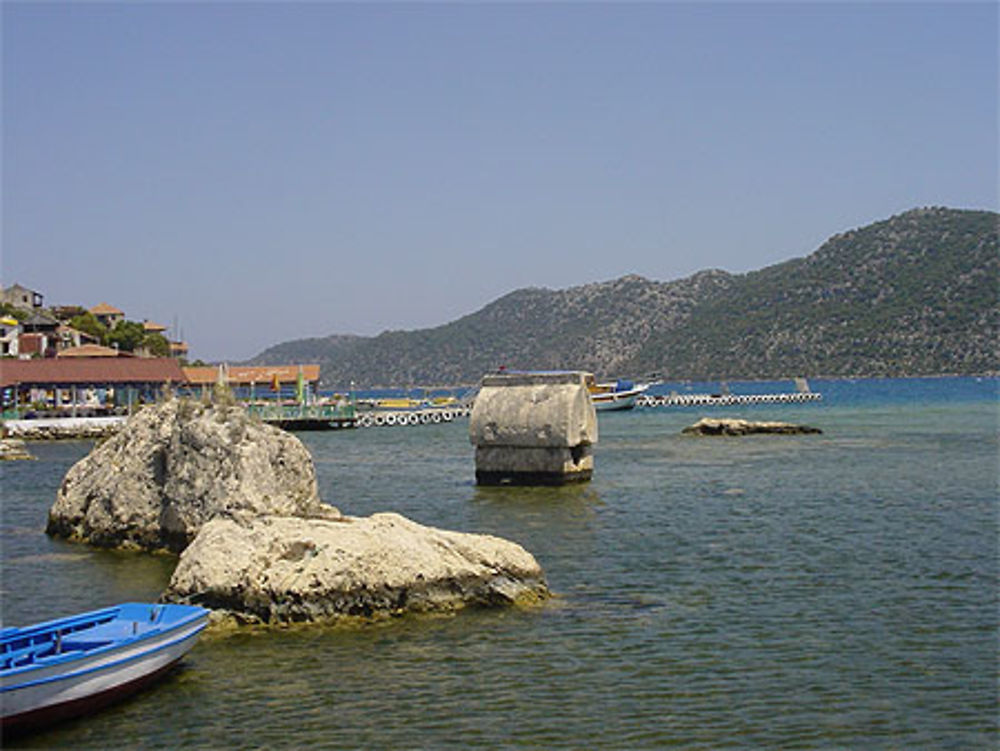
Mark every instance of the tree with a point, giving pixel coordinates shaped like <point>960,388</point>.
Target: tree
<point>127,335</point>
<point>88,324</point>
<point>6,309</point>
<point>157,345</point>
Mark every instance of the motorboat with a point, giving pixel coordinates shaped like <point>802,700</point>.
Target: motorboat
<point>619,395</point>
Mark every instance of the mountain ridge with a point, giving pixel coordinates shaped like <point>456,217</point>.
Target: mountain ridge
<point>915,294</point>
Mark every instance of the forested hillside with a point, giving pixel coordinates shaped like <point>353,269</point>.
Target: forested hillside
<point>915,294</point>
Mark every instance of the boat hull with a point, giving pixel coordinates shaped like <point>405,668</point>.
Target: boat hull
<point>608,400</point>
<point>73,687</point>
<point>613,402</point>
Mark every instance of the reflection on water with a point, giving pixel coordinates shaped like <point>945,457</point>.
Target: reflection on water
<point>837,590</point>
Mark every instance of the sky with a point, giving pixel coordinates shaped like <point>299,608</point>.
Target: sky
<point>253,172</point>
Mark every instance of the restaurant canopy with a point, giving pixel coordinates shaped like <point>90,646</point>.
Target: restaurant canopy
<point>90,371</point>
<point>245,375</point>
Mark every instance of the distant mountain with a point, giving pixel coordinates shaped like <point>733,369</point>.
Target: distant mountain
<point>916,294</point>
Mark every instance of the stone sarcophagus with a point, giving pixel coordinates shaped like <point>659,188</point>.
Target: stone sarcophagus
<point>534,429</point>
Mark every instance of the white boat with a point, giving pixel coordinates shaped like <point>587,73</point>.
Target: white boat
<point>619,395</point>
<point>72,666</point>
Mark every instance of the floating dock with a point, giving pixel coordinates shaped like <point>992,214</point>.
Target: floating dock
<point>725,400</point>
<point>379,418</point>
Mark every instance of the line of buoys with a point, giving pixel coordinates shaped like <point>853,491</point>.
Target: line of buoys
<point>378,419</point>
<point>724,400</point>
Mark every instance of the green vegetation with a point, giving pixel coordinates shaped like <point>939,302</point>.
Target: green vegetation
<point>87,323</point>
<point>12,311</point>
<point>916,294</point>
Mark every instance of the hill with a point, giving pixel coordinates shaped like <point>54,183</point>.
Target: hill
<point>912,295</point>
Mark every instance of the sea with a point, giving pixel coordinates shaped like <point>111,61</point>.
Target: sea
<point>831,591</point>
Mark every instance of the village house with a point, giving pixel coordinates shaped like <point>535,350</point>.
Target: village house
<point>21,297</point>
<point>108,315</point>
<point>178,349</point>
<point>39,336</point>
<point>10,333</point>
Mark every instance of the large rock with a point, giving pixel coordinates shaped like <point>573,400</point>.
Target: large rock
<point>731,426</point>
<point>534,429</point>
<point>282,570</point>
<point>177,465</point>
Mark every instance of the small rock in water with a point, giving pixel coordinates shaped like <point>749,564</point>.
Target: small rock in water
<point>13,449</point>
<point>734,426</point>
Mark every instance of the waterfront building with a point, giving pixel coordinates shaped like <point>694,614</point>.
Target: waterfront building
<point>253,382</point>
<point>97,384</point>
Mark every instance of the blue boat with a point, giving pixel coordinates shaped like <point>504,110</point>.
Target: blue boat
<point>73,666</point>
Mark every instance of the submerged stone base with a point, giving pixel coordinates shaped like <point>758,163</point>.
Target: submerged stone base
<point>516,465</point>
<point>486,477</point>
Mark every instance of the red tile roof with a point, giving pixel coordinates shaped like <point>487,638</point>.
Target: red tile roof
<point>91,370</point>
<point>102,308</point>
<point>92,350</point>
<point>246,374</point>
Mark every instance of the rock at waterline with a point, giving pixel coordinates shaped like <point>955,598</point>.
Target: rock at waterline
<point>735,427</point>
<point>174,466</point>
<point>14,449</point>
<point>277,570</point>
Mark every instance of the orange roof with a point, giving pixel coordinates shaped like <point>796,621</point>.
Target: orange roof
<point>150,326</point>
<point>91,370</point>
<point>91,350</point>
<point>246,374</point>
<point>103,309</point>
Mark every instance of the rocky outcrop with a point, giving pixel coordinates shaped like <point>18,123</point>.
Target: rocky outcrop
<point>177,465</point>
<point>238,499</point>
<point>285,570</point>
<point>735,427</point>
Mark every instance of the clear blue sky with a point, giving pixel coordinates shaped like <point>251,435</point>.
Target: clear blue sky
<point>269,171</point>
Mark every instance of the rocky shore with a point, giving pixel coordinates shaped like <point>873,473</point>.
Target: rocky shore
<point>63,428</point>
<point>238,500</point>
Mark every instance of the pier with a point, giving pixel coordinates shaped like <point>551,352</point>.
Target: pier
<point>306,416</point>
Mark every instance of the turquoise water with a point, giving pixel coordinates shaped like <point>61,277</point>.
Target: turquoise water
<point>821,591</point>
